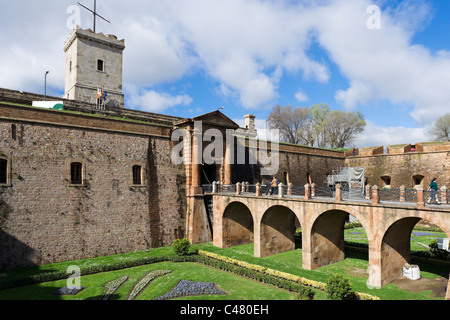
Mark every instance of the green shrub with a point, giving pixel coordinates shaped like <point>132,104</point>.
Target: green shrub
<point>305,293</point>
<point>436,252</point>
<point>339,288</point>
<point>181,246</point>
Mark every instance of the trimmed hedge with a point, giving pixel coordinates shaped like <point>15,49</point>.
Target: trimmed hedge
<point>256,269</point>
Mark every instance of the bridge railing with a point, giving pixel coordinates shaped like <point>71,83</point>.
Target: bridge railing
<point>372,193</point>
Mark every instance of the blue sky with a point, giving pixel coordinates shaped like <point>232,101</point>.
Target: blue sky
<point>186,58</point>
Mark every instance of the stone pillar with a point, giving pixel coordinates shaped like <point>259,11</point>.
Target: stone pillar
<point>280,190</point>
<point>375,196</point>
<point>313,190</point>
<point>227,164</point>
<point>238,188</point>
<point>307,192</point>
<point>338,193</point>
<point>258,189</point>
<point>402,194</point>
<point>444,195</point>
<point>368,192</point>
<point>289,191</point>
<point>420,203</point>
<point>196,163</point>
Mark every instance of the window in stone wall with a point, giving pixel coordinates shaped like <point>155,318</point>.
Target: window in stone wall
<point>417,180</point>
<point>386,182</point>
<point>100,65</point>
<point>137,175</point>
<point>3,171</point>
<point>76,173</point>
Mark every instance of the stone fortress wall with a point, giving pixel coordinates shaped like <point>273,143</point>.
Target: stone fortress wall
<point>404,165</point>
<point>45,219</point>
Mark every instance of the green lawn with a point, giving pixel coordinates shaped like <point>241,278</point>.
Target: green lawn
<point>420,239</point>
<point>353,267</point>
<point>237,288</point>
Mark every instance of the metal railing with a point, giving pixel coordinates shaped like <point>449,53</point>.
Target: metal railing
<point>371,194</point>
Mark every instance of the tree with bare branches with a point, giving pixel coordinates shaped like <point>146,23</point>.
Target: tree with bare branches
<point>441,128</point>
<point>288,121</point>
<point>342,127</point>
<point>316,125</point>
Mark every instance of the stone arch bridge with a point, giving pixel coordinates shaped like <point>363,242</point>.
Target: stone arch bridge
<point>270,222</point>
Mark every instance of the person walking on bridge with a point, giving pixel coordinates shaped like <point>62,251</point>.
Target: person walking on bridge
<point>267,187</point>
<point>273,185</point>
<point>433,188</point>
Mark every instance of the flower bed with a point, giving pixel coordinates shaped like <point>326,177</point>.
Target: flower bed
<point>186,288</point>
<point>137,289</point>
<point>66,291</point>
<point>112,286</point>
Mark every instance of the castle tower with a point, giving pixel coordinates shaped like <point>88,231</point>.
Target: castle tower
<point>93,62</point>
<point>250,125</point>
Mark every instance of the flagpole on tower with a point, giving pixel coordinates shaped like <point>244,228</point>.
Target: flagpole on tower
<point>94,12</point>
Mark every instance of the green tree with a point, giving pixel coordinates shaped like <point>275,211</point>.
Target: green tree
<point>318,115</point>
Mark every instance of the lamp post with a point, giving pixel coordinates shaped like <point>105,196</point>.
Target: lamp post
<point>45,85</point>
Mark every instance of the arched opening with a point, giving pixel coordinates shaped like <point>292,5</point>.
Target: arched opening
<point>395,248</point>
<point>237,225</point>
<point>407,241</point>
<point>277,231</point>
<point>327,238</point>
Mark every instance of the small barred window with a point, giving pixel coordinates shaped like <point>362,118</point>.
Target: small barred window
<point>76,176</point>
<point>137,171</point>
<point>3,171</point>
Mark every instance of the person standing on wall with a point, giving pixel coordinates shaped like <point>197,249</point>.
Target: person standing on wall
<point>433,188</point>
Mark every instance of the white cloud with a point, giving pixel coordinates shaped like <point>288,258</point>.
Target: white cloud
<point>154,54</point>
<point>375,135</point>
<point>246,46</point>
<point>241,42</point>
<point>384,64</point>
<point>300,96</point>
<point>150,100</point>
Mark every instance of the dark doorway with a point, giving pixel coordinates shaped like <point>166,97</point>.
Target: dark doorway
<point>208,173</point>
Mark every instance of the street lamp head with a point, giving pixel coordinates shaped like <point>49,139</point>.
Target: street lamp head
<point>47,72</point>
